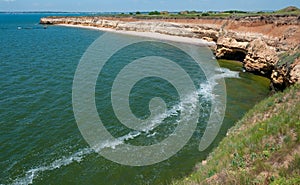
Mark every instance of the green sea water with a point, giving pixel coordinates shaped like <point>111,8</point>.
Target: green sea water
<point>40,142</point>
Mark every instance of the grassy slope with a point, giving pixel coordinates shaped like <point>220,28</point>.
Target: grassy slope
<point>195,15</point>
<point>201,15</point>
<point>262,148</point>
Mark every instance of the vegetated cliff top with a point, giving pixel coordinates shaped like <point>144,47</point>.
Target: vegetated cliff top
<point>289,9</point>
<point>262,148</point>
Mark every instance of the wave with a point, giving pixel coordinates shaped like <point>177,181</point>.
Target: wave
<point>205,91</point>
<point>33,173</point>
<point>175,110</point>
<point>206,88</point>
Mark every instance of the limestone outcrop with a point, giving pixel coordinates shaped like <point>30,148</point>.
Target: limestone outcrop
<point>231,49</point>
<point>286,71</point>
<point>294,75</point>
<point>260,57</point>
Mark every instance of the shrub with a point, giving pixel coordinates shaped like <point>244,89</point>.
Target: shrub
<point>205,14</point>
<point>154,13</point>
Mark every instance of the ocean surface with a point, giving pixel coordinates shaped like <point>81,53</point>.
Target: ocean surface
<point>40,142</point>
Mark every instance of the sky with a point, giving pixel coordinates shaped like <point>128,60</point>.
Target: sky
<point>143,5</point>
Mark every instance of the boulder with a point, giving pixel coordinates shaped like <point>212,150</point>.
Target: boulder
<point>260,57</point>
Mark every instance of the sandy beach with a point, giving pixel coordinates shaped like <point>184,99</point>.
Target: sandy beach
<point>157,36</point>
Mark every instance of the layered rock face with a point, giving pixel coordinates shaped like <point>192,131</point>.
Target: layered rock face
<point>260,57</point>
<point>295,72</point>
<point>286,74</point>
<point>255,41</point>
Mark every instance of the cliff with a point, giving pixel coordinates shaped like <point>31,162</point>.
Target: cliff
<point>257,41</point>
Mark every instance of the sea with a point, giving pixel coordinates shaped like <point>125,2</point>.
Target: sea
<point>40,141</point>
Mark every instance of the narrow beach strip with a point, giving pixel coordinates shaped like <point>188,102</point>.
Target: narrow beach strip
<point>153,35</point>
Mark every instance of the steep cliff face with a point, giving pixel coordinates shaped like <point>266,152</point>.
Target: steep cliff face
<point>260,57</point>
<point>295,72</point>
<point>287,70</point>
<point>255,41</point>
<point>230,48</point>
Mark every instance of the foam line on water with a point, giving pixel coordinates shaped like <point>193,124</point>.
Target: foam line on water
<point>188,101</point>
<point>31,174</point>
<point>118,141</point>
<point>205,90</point>
<point>78,156</point>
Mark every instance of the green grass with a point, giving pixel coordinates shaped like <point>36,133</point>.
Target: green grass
<point>200,14</point>
<point>289,10</point>
<point>210,14</point>
<point>288,58</point>
<point>203,15</point>
<point>261,148</point>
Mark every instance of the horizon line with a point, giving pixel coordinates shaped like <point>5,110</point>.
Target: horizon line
<point>54,11</point>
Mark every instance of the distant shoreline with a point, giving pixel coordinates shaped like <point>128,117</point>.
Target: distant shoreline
<point>157,36</point>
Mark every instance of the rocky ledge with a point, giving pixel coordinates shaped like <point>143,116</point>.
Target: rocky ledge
<point>259,42</point>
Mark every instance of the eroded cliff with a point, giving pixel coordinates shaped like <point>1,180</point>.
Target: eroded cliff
<point>255,41</point>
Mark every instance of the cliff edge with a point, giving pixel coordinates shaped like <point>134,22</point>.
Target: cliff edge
<point>260,42</point>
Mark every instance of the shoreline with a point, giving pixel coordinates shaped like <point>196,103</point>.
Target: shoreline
<point>152,35</point>
<point>266,45</point>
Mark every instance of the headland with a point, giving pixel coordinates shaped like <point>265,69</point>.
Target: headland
<point>266,44</point>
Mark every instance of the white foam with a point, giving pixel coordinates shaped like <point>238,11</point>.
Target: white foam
<point>206,88</point>
<point>33,173</point>
<point>188,101</point>
<point>118,141</point>
<point>226,73</point>
<point>152,135</point>
<point>206,91</point>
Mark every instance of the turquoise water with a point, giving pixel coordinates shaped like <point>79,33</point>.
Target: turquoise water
<point>40,142</point>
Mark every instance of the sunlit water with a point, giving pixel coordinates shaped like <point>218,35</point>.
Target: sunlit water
<point>40,142</point>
